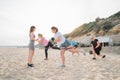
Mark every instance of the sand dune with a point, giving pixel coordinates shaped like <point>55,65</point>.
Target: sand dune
<point>78,67</point>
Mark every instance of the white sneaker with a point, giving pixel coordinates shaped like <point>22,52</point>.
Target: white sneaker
<point>84,53</point>
<point>62,65</point>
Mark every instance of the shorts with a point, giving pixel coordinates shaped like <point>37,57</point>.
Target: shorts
<point>65,44</point>
<point>97,50</point>
<point>31,45</point>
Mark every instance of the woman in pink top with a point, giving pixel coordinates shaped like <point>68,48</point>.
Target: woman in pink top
<point>46,43</point>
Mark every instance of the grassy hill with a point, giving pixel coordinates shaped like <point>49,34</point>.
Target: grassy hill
<point>100,27</point>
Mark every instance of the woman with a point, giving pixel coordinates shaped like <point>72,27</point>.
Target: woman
<point>31,46</point>
<point>96,48</point>
<point>46,43</point>
<point>63,44</point>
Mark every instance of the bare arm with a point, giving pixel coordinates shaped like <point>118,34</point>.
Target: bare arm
<point>98,44</point>
<point>92,46</point>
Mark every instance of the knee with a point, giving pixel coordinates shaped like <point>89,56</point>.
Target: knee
<point>62,52</point>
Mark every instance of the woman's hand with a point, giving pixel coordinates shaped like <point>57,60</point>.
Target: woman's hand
<point>37,39</point>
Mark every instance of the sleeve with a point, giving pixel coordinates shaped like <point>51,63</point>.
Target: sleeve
<point>58,34</point>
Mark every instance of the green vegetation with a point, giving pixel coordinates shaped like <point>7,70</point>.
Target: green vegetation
<point>100,24</point>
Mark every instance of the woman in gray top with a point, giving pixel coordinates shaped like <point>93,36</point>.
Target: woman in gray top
<point>31,46</point>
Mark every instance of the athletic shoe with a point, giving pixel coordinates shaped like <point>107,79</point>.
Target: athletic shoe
<point>62,65</point>
<point>45,59</point>
<point>30,65</point>
<point>84,53</point>
<point>104,56</point>
<point>94,58</point>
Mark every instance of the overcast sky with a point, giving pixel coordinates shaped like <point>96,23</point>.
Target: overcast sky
<point>16,16</point>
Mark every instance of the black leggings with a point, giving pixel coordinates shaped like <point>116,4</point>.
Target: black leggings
<point>97,50</point>
<point>47,47</point>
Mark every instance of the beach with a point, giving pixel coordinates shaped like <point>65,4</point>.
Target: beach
<point>13,65</point>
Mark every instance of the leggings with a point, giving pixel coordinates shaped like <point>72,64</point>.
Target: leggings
<point>47,47</point>
<point>97,50</point>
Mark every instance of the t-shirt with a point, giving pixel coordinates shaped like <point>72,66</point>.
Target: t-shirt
<point>58,34</point>
<point>94,43</point>
<point>73,43</point>
<point>44,41</point>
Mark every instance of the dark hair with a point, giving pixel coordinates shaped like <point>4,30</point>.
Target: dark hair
<point>31,29</point>
<point>75,46</point>
<point>55,28</point>
<point>52,38</point>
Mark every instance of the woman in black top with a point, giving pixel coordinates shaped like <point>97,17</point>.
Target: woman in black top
<point>96,48</point>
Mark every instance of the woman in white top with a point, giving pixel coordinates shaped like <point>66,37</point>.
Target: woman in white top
<point>63,44</point>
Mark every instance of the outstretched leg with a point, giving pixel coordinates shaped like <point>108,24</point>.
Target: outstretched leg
<point>52,46</point>
<point>76,50</point>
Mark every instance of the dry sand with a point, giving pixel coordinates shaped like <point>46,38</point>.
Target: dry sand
<point>78,67</point>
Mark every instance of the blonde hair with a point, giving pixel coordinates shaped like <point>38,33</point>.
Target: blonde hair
<point>40,35</point>
<point>92,36</point>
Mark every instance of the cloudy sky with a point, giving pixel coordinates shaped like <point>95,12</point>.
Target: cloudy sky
<point>16,16</point>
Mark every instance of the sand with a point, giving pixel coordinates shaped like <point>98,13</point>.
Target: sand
<point>78,67</point>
